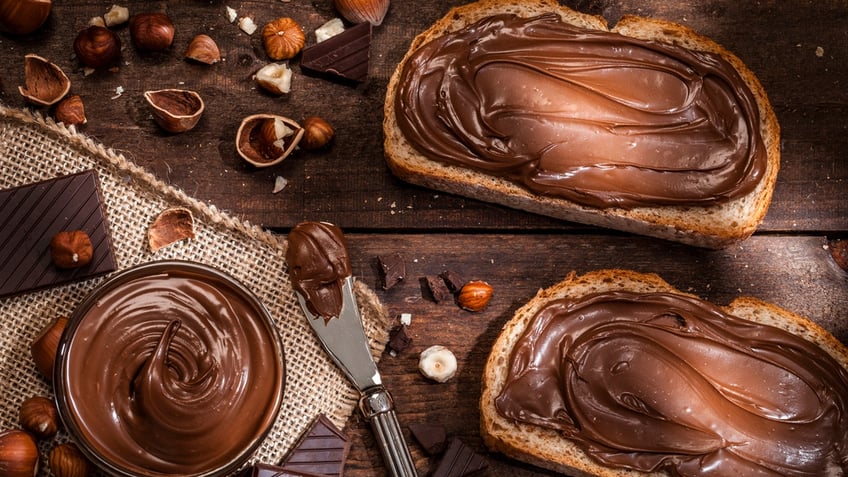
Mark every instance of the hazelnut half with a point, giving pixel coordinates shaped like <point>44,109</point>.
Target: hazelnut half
<point>203,49</point>
<point>39,416</point>
<point>97,46</point>
<point>70,111</point>
<point>45,345</point>
<point>71,249</point>
<point>46,83</point>
<point>175,110</point>
<point>266,139</point>
<point>360,11</point>
<point>18,454</point>
<point>274,78</point>
<point>151,31</point>
<point>20,17</point>
<point>283,38</point>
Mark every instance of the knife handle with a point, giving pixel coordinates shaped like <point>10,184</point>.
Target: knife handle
<point>378,408</point>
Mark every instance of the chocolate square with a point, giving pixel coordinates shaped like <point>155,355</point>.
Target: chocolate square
<point>344,56</point>
<point>322,450</point>
<point>30,215</point>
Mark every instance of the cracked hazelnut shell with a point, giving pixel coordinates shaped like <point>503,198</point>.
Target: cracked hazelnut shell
<point>175,110</point>
<point>46,83</point>
<point>264,140</point>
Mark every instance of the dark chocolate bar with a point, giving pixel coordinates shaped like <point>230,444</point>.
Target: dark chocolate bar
<point>433,438</point>
<point>265,470</point>
<point>322,449</point>
<point>30,215</point>
<point>459,461</point>
<point>345,55</point>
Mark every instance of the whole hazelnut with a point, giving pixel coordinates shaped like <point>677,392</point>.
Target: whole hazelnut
<point>360,11</point>
<point>475,295</point>
<point>97,46</point>
<point>151,31</point>
<point>20,17</point>
<point>18,454</point>
<point>317,133</point>
<point>66,460</point>
<point>283,38</point>
<point>39,416</point>
<point>70,111</point>
<point>45,346</point>
<point>71,249</point>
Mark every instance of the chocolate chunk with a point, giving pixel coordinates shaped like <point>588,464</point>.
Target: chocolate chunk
<point>265,470</point>
<point>322,449</point>
<point>30,215</point>
<point>453,281</point>
<point>399,341</point>
<point>459,461</point>
<point>392,269</point>
<point>345,55</point>
<point>433,438</point>
<point>438,289</point>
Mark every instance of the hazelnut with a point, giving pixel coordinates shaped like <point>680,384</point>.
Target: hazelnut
<point>71,249</point>
<point>39,416</point>
<point>175,110</point>
<point>45,346</point>
<point>151,31</point>
<point>71,111</point>
<point>266,139</point>
<point>283,38</point>
<point>46,83</point>
<point>475,295</point>
<point>20,17</point>
<point>66,460</point>
<point>170,226</point>
<point>317,133</point>
<point>97,46</point>
<point>361,11</point>
<point>18,454</point>
<point>274,78</point>
<point>203,49</point>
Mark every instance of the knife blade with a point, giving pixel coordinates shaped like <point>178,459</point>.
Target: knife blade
<point>320,269</point>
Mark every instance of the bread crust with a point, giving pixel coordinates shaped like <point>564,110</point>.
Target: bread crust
<point>546,448</point>
<point>715,226</point>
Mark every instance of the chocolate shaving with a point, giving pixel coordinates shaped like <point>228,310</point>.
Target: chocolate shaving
<point>399,341</point>
<point>459,461</point>
<point>453,280</point>
<point>170,226</point>
<point>433,438</point>
<point>438,289</point>
<point>392,269</point>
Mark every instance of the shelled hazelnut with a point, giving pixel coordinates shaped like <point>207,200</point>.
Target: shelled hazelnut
<point>317,133</point>
<point>283,38</point>
<point>70,111</point>
<point>71,249</point>
<point>360,11</point>
<point>97,46</point>
<point>151,31</point>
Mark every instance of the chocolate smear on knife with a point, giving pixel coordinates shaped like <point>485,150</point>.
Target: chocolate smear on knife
<point>322,450</point>
<point>345,56</point>
<point>459,461</point>
<point>30,215</point>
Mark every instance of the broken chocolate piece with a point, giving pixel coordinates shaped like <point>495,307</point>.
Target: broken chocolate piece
<point>453,281</point>
<point>438,289</point>
<point>345,55</point>
<point>392,269</point>
<point>322,449</point>
<point>265,470</point>
<point>399,341</point>
<point>433,438</point>
<point>30,215</point>
<point>459,461</point>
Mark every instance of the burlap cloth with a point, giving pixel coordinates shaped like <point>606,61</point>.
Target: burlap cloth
<point>34,148</point>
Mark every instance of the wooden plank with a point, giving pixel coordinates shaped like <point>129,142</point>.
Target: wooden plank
<point>796,51</point>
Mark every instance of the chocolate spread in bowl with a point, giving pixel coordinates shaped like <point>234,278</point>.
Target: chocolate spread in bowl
<point>595,117</point>
<point>170,368</point>
<point>669,382</point>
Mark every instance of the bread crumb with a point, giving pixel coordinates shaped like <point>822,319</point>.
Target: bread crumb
<point>819,51</point>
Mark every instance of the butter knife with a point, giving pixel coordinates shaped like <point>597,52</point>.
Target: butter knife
<point>321,275</point>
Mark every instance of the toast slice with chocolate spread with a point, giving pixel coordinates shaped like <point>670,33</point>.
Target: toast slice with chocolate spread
<point>741,383</point>
<point>706,224</point>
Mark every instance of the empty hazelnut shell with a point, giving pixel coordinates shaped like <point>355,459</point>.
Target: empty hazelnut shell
<point>170,226</point>
<point>266,139</point>
<point>46,83</point>
<point>175,110</point>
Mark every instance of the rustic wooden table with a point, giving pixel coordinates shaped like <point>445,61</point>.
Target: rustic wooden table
<point>799,51</point>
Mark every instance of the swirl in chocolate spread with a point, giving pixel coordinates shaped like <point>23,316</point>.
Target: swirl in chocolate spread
<point>594,117</point>
<point>668,382</point>
<point>173,374</point>
<point>319,263</point>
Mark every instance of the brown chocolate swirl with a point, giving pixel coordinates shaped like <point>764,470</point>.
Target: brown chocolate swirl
<point>668,382</point>
<point>595,117</point>
<point>173,373</point>
<point>319,263</point>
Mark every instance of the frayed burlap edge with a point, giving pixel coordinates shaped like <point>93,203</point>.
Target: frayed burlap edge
<point>34,148</point>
